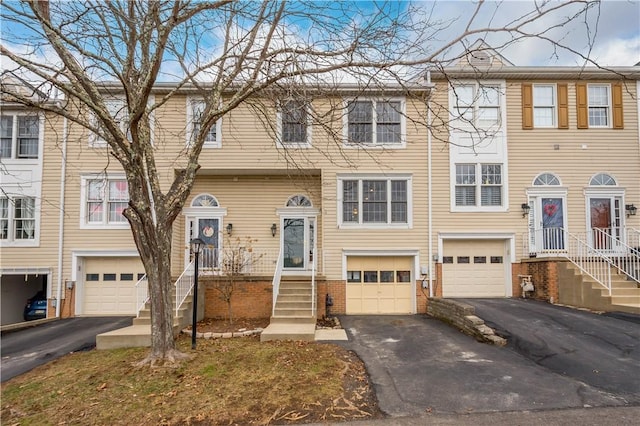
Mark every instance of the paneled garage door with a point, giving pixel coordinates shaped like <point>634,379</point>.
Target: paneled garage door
<point>379,285</point>
<point>109,285</point>
<point>474,268</point>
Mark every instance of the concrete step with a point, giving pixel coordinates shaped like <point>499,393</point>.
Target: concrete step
<point>292,320</point>
<point>631,309</point>
<point>147,321</point>
<point>623,292</point>
<point>134,336</point>
<point>625,300</point>
<point>295,297</point>
<point>293,304</point>
<point>146,313</point>
<point>284,331</point>
<point>292,312</point>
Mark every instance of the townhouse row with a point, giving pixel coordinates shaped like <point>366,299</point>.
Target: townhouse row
<point>450,186</point>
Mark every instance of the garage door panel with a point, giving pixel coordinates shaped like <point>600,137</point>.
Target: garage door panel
<point>108,287</point>
<point>384,293</point>
<point>473,269</point>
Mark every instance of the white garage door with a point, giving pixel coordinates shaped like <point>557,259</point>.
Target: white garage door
<point>474,268</point>
<point>109,285</point>
<point>379,285</point>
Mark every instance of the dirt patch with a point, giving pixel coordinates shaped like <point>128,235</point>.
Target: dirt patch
<point>214,325</point>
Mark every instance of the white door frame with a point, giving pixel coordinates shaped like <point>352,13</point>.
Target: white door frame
<point>535,196</point>
<point>613,194</point>
<point>196,213</point>
<point>309,215</point>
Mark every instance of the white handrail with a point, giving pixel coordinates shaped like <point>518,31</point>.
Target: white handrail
<point>142,293</point>
<point>589,260</point>
<point>183,285</point>
<point>313,282</point>
<point>277,274</point>
<point>625,258</point>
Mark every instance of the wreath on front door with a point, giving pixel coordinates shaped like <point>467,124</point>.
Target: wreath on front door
<point>550,209</point>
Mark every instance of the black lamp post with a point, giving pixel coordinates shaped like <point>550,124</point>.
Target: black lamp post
<point>196,247</point>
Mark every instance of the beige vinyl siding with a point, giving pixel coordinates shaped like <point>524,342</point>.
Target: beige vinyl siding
<point>573,155</point>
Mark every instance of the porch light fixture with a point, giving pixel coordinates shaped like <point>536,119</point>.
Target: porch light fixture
<point>525,209</point>
<point>274,228</point>
<point>196,247</point>
<point>229,229</point>
<point>631,209</point>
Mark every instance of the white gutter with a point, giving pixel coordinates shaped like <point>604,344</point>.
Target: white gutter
<point>63,181</point>
<point>429,189</point>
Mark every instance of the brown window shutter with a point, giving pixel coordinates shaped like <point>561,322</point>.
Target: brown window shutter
<point>583,109</point>
<point>616,90</point>
<point>563,106</point>
<point>527,106</point>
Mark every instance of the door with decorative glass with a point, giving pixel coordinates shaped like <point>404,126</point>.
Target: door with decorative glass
<point>546,224</point>
<point>605,222</point>
<point>298,236</point>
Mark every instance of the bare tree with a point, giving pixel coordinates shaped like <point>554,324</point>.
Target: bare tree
<point>229,52</point>
<point>237,259</point>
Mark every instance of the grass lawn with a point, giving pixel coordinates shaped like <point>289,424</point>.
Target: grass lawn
<point>227,381</point>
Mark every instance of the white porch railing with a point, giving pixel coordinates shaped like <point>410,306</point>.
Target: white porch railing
<point>184,284</point>
<point>633,239</point>
<point>142,293</point>
<point>626,258</point>
<point>590,261</point>
<point>258,262</point>
<point>277,274</point>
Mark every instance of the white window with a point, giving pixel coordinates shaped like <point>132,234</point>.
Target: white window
<point>599,99</point>
<point>104,200</point>
<point>544,105</point>
<point>375,122</point>
<point>117,108</point>
<point>479,185</point>
<point>195,110</point>
<point>19,136</point>
<point>294,123</point>
<point>375,201</point>
<point>17,219</point>
<point>546,179</point>
<point>477,104</point>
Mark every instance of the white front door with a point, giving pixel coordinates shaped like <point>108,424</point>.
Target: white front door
<point>298,236</point>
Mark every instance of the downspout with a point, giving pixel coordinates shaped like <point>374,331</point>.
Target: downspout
<point>63,181</point>
<point>429,189</point>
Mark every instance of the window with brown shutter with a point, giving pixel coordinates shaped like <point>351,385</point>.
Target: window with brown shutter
<point>582,106</point>
<point>527,106</point>
<point>616,95</point>
<point>563,106</point>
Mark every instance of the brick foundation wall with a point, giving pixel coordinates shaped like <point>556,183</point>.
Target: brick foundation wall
<point>251,298</point>
<point>544,274</point>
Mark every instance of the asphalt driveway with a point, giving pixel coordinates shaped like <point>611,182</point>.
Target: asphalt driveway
<point>25,349</point>
<point>418,364</point>
<point>602,351</point>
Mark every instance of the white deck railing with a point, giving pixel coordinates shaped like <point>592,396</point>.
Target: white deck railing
<point>184,284</point>
<point>590,261</point>
<point>142,293</point>
<point>313,282</point>
<point>625,257</point>
<point>258,262</point>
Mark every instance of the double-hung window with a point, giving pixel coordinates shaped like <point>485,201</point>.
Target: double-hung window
<point>544,105</point>
<point>479,185</point>
<point>105,201</point>
<point>295,129</point>
<point>117,108</point>
<point>17,219</point>
<point>600,105</point>
<point>375,201</point>
<point>196,108</point>
<point>477,104</point>
<point>375,122</point>
<point>19,136</point>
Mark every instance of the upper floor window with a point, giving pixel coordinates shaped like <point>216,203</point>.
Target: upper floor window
<point>196,108</point>
<point>19,136</point>
<point>117,108</point>
<point>104,200</point>
<point>545,105</point>
<point>478,185</point>
<point>295,128</point>
<point>375,201</point>
<point>477,104</point>
<point>17,219</point>
<point>375,122</point>
<point>599,105</point>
